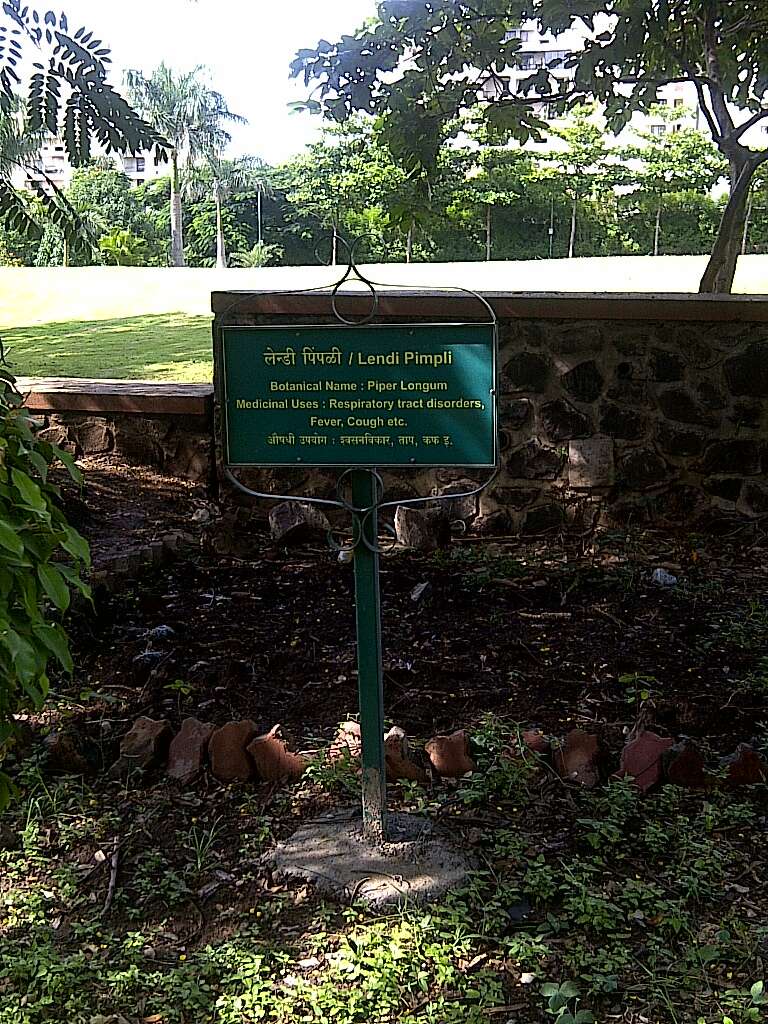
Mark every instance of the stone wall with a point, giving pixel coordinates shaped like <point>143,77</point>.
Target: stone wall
<point>175,444</point>
<point>612,408</point>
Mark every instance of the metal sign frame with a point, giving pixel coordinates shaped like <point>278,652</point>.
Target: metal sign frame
<point>367,500</point>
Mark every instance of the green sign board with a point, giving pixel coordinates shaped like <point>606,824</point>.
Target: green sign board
<point>417,395</point>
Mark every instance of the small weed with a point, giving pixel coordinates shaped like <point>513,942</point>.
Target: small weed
<point>201,842</point>
<point>338,775</point>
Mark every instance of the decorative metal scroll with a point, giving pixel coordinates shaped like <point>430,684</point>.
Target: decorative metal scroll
<point>361,515</point>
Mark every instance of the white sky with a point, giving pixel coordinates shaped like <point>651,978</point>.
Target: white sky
<point>246,44</point>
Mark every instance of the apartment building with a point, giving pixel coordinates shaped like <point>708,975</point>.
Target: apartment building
<point>543,49</point>
<point>53,165</point>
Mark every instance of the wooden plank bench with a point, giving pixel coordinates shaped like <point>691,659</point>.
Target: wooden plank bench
<point>106,397</point>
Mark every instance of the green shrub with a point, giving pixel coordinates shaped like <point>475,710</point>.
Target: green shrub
<point>41,557</point>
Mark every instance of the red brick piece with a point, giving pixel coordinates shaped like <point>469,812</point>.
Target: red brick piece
<point>745,767</point>
<point>186,756</point>
<point>227,752</point>
<point>450,755</point>
<point>400,765</point>
<point>536,741</point>
<point>273,758</point>
<point>642,759</point>
<point>684,765</point>
<point>576,760</point>
<point>348,742</point>
<point>146,744</point>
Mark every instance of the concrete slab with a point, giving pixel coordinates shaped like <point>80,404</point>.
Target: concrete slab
<point>417,861</point>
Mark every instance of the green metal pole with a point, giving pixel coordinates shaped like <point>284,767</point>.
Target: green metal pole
<point>369,671</point>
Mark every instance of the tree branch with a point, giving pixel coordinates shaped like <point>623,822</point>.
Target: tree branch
<point>749,123</point>
<point>716,91</point>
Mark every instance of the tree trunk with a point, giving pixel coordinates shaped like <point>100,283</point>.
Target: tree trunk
<point>177,230</point>
<point>65,260</point>
<point>488,232</point>
<point>572,240</point>
<point>657,231</point>
<point>721,269</point>
<point>747,223</point>
<point>221,247</point>
<point>335,252</point>
<point>259,215</point>
<point>409,245</point>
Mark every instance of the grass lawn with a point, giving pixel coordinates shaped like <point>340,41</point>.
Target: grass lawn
<point>154,323</point>
<point>166,346</point>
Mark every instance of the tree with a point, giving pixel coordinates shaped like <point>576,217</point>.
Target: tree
<point>191,117</point>
<point>675,161</point>
<point>66,94</point>
<point>221,179</point>
<point>583,164</point>
<point>420,64</point>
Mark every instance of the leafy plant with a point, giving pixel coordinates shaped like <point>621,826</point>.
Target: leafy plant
<point>261,255</point>
<point>123,248</point>
<point>562,1003</point>
<point>35,584</point>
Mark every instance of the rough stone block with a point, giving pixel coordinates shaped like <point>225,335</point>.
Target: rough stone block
<point>493,524</point>
<point>532,461</point>
<point>422,529</point>
<point>64,751</point>
<point>729,457</point>
<point>57,435</point>
<point>516,497</point>
<point>544,519</point>
<point>93,437</point>
<point>292,522</point>
<point>227,751</point>
<point>680,406</point>
<point>465,509</point>
<point>188,750</point>
<point>754,499</point>
<point>146,744</point>
<point>642,470</point>
<point>623,423</point>
<point>516,413</point>
<point>590,463</point>
<point>725,488</point>
<point>680,443</point>
<point>747,373</point>
<point>584,382</point>
<point>527,371</point>
<point>536,741</point>
<point>561,421</point>
<point>666,367</point>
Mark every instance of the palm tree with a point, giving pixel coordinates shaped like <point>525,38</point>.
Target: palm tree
<point>260,255</point>
<point>224,177</point>
<point>191,117</point>
<point>19,147</point>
